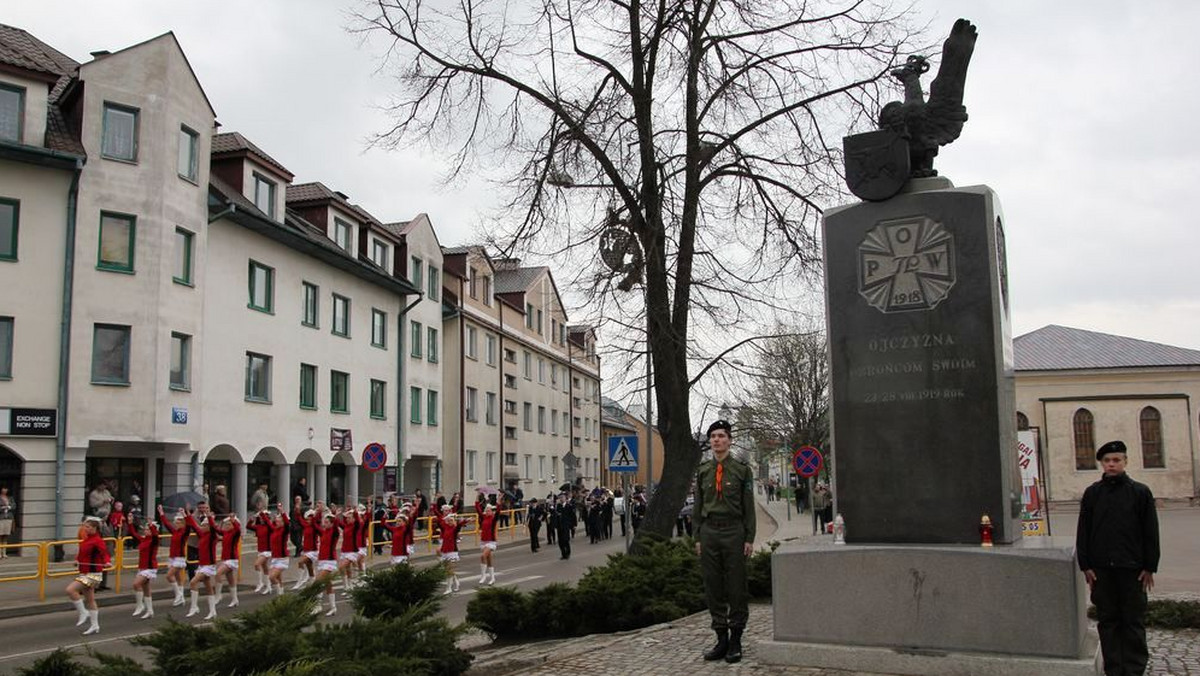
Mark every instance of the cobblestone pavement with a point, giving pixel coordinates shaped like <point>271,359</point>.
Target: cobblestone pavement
<point>674,649</point>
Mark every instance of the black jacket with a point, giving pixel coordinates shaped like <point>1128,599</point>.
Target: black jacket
<point>1118,526</point>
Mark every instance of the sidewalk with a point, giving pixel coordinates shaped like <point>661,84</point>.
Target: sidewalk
<point>675,647</point>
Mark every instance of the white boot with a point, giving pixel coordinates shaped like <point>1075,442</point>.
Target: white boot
<point>149,602</point>
<point>491,575</point>
<point>258,587</point>
<point>212,608</point>
<point>140,599</point>
<point>483,569</point>
<point>178,589</point>
<point>279,588</point>
<point>94,627</point>
<point>233,603</point>
<point>83,612</point>
<point>449,588</point>
<point>195,609</point>
<point>332,605</point>
<point>217,590</point>
<point>302,579</point>
<point>455,580</point>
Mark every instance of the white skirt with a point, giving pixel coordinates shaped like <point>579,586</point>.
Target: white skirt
<point>489,544</point>
<point>177,562</point>
<point>279,564</point>
<point>399,559</point>
<point>349,556</point>
<point>210,571</point>
<point>232,564</point>
<point>450,556</point>
<point>311,556</point>
<point>148,573</point>
<point>326,566</point>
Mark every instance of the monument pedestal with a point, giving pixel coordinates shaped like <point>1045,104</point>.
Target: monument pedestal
<point>932,610</point>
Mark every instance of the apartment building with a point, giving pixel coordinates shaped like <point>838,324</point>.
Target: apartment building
<point>176,311</point>
<point>526,385</point>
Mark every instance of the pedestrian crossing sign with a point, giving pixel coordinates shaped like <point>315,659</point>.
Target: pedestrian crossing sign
<point>623,454</point>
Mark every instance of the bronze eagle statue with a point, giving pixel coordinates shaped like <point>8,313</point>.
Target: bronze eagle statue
<point>928,125</point>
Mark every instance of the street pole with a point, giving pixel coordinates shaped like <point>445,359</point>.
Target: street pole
<point>626,518</point>
<point>811,507</point>
<point>649,416</point>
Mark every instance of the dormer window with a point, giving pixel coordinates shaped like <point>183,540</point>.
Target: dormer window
<point>487,291</point>
<point>416,275</point>
<point>12,112</point>
<point>473,282</point>
<point>264,194</point>
<point>341,234</point>
<point>379,253</point>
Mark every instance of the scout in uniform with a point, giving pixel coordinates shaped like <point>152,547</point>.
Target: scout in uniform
<point>724,526</point>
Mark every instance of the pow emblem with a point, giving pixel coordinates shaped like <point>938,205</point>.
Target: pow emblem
<point>906,264</point>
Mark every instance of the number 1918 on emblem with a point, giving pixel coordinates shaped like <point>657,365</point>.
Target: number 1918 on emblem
<point>906,264</point>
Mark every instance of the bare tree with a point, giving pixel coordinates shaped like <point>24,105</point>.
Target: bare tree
<point>790,391</point>
<point>692,132</point>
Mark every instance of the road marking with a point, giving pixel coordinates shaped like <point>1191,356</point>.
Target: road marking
<point>77,645</point>
<point>506,583</point>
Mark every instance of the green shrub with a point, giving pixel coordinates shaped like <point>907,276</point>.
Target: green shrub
<point>553,610</point>
<point>392,590</point>
<point>57,663</point>
<point>498,611</point>
<point>758,571</point>
<point>660,585</point>
<point>415,642</point>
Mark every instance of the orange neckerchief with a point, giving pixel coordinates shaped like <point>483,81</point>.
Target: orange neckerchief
<point>720,476</point>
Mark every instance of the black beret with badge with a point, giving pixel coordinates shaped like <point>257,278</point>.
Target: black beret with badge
<point>720,425</point>
<point>1110,447</point>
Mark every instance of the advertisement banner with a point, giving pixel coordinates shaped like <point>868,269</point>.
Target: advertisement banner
<point>1034,520</point>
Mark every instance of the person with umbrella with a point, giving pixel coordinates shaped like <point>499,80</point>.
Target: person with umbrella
<point>92,558</point>
<point>177,557</point>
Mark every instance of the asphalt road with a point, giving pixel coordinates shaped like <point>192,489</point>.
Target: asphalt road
<point>26,639</point>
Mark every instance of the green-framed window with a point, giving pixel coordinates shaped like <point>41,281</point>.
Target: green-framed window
<point>431,408</point>
<point>181,361</point>
<point>110,354</point>
<point>312,305</point>
<point>341,234</point>
<point>262,287</point>
<point>416,275</point>
<point>378,399</point>
<point>188,164</point>
<point>435,283</point>
<point>433,345</point>
<point>183,256</point>
<point>416,337</point>
<point>6,347</point>
<point>378,328</point>
<point>12,113</point>
<point>264,194</point>
<point>118,237</point>
<point>308,387</point>
<point>414,405</point>
<point>119,140</point>
<point>341,316</point>
<point>258,378</point>
<point>10,221</point>
<point>339,392</point>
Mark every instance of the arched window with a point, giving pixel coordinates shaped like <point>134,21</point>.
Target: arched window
<point>1152,446</point>
<point>1085,440</point>
<point>1022,422</point>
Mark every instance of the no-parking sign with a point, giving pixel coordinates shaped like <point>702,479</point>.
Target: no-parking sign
<point>808,461</point>
<point>374,457</point>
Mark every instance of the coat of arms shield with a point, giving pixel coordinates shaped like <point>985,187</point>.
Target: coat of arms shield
<point>877,164</point>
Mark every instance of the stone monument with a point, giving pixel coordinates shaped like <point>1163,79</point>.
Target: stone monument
<point>923,428</point>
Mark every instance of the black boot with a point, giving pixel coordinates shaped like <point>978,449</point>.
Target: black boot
<point>721,648</point>
<point>734,654</point>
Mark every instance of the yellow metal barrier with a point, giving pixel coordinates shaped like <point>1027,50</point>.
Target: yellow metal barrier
<point>68,567</point>
<point>35,562</point>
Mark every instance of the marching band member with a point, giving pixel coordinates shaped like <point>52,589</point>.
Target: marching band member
<point>309,521</point>
<point>261,526</point>
<point>487,545</point>
<point>231,541</point>
<point>348,521</point>
<point>147,546</point>
<point>207,568</point>
<point>327,560</point>
<point>92,559</point>
<point>399,530</point>
<point>177,558</point>
<point>279,549</point>
<point>449,524</point>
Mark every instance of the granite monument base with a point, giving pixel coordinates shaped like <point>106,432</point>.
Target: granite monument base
<point>932,609</point>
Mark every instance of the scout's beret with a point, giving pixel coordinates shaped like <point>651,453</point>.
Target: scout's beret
<point>720,425</point>
<point>1110,447</point>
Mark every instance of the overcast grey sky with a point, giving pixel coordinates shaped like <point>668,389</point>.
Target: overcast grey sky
<point>1083,119</point>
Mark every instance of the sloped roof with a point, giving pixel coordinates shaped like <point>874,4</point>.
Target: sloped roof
<point>22,50</point>
<point>233,142</point>
<point>1058,348</point>
<point>455,250</point>
<point>516,280</point>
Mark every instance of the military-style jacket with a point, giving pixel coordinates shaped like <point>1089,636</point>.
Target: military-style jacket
<point>736,498</point>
